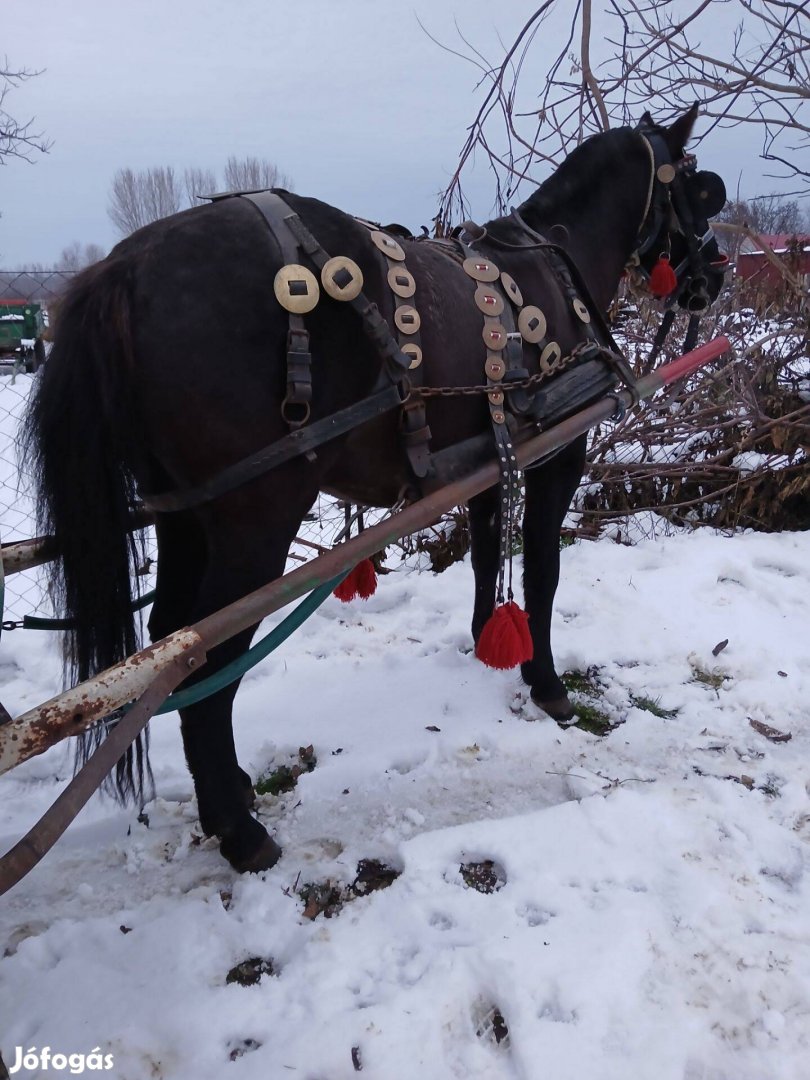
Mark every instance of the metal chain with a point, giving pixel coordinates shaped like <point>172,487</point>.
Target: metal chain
<point>518,384</point>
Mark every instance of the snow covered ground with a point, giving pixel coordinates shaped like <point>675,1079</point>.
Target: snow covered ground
<point>650,918</point>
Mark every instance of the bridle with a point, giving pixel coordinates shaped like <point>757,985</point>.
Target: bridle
<point>669,209</point>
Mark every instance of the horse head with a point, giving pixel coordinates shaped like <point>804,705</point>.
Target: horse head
<point>675,228</point>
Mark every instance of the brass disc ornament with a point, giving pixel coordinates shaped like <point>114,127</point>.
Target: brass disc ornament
<point>488,300</point>
<point>296,288</point>
<point>414,354</point>
<point>532,324</point>
<point>511,288</point>
<point>401,282</point>
<point>480,269</point>
<point>342,278</point>
<point>550,355</point>
<point>494,335</point>
<point>580,310</point>
<point>494,367</point>
<point>407,319</point>
<point>387,245</point>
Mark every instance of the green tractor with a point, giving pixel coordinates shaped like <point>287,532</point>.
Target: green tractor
<point>22,326</point>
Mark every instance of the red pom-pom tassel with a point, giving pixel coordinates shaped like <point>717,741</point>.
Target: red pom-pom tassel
<point>662,278</point>
<point>505,640</point>
<point>362,582</point>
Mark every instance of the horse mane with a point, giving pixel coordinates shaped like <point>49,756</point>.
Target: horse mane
<point>572,182</point>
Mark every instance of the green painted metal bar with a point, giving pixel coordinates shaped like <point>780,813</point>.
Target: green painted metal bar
<point>180,699</point>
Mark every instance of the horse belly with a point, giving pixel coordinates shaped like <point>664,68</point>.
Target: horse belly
<point>371,469</point>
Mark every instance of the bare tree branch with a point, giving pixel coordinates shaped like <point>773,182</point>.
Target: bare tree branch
<point>18,139</point>
<point>756,75</point>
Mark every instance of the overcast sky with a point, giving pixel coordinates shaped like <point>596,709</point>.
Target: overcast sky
<point>349,98</point>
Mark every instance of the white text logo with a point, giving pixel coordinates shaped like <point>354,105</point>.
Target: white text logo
<point>33,1060</point>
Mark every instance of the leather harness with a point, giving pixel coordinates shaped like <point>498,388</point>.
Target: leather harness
<point>511,392</point>
<point>592,370</point>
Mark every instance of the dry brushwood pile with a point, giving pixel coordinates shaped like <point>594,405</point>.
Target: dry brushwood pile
<point>729,448</point>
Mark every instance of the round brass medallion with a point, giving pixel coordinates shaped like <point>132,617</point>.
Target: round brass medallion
<point>494,368</point>
<point>494,335</point>
<point>387,245</point>
<point>342,278</point>
<point>412,350</point>
<point>581,310</point>
<point>407,319</point>
<point>550,355</point>
<point>296,288</point>
<point>512,290</point>
<point>480,269</point>
<point>532,324</point>
<point>488,301</point>
<point>666,173</point>
<point>401,282</point>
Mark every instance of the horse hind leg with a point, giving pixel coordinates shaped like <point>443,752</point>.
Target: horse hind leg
<point>180,568</point>
<point>241,556</point>
<point>224,790</point>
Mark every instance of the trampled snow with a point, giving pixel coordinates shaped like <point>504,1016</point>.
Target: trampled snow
<point>653,915</point>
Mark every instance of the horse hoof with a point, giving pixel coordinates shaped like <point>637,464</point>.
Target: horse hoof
<point>263,857</point>
<point>559,709</point>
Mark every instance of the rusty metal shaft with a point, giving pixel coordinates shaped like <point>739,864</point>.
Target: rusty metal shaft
<point>71,712</point>
<point>251,609</point>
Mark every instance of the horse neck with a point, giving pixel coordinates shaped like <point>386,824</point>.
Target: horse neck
<point>602,218</point>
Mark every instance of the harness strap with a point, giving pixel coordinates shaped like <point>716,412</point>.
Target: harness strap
<point>497,314</point>
<point>271,206</point>
<point>299,441</point>
<point>295,407</point>
<point>415,433</point>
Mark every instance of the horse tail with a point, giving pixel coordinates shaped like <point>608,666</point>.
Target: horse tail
<point>77,441</point>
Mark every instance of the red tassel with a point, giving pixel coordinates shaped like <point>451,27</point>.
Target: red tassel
<point>662,278</point>
<point>505,640</point>
<point>362,582</point>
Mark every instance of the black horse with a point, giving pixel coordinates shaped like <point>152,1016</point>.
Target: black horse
<point>173,359</point>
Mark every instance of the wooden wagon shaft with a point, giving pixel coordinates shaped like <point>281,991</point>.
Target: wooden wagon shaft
<point>75,710</point>
<point>24,554</point>
<point>20,555</point>
<point>72,712</point>
<point>39,840</point>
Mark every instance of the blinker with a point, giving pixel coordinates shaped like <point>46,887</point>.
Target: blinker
<point>711,192</point>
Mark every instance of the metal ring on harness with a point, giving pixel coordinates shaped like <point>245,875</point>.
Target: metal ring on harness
<point>293,421</point>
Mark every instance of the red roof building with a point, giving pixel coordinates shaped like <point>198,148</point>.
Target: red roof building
<point>754,266</point>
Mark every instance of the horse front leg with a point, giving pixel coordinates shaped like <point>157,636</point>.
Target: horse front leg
<point>484,511</point>
<point>549,491</point>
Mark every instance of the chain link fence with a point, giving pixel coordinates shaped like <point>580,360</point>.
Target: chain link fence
<point>24,592</point>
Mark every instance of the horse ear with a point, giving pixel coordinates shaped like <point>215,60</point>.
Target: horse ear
<point>679,133</point>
